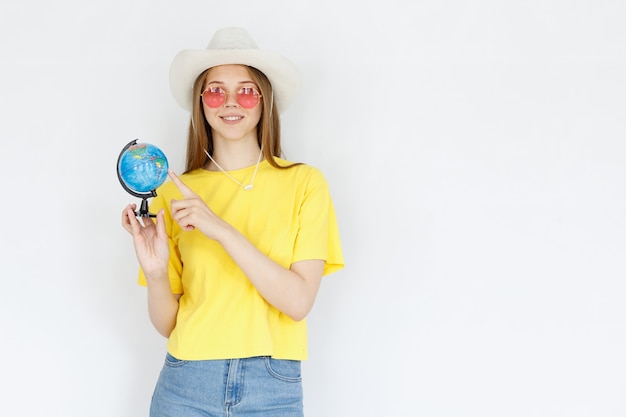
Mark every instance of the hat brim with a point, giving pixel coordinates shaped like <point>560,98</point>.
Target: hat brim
<point>189,63</point>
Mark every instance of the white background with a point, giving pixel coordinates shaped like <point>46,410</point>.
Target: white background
<point>476,155</point>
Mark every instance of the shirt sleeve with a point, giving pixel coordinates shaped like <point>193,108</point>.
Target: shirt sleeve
<point>318,233</point>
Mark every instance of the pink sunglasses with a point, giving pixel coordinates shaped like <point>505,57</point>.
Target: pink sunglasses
<point>247,97</point>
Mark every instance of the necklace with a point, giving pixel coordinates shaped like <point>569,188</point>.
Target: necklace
<point>245,187</point>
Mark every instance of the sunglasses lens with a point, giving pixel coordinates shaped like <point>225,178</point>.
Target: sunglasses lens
<point>213,97</point>
<point>248,97</point>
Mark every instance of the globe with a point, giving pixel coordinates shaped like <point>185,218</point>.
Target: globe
<point>142,167</point>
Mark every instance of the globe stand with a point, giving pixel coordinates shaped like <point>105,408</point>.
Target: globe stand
<point>143,208</point>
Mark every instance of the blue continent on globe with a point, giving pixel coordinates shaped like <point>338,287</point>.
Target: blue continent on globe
<point>143,167</point>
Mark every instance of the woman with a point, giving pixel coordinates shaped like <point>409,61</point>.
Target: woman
<point>241,241</point>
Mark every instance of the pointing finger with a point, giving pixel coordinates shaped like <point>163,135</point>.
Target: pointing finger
<point>185,191</point>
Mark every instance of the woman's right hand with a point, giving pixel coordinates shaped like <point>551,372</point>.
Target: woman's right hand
<point>150,241</point>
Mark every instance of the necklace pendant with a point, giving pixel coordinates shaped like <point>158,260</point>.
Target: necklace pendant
<point>248,187</point>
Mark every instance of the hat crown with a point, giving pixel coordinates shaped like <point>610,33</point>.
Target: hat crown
<point>232,38</point>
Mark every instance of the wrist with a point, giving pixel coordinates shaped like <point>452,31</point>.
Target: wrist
<point>225,232</point>
<point>156,277</point>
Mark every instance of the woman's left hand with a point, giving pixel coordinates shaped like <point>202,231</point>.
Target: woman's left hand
<point>193,213</point>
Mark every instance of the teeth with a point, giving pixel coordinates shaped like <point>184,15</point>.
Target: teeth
<point>232,118</point>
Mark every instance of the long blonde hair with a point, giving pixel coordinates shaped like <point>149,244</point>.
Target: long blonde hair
<point>268,129</point>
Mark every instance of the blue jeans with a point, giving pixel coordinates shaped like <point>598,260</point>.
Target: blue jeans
<point>259,386</point>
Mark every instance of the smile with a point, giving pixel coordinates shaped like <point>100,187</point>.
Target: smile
<point>232,118</point>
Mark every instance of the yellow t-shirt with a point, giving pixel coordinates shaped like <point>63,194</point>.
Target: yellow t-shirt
<point>289,216</point>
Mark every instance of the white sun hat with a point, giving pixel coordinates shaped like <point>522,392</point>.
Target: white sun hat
<point>233,45</point>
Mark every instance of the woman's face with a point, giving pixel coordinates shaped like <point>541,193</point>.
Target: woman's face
<point>237,117</point>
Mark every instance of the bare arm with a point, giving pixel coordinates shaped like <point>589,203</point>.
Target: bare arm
<point>162,306</point>
<point>292,291</point>
<point>151,247</point>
